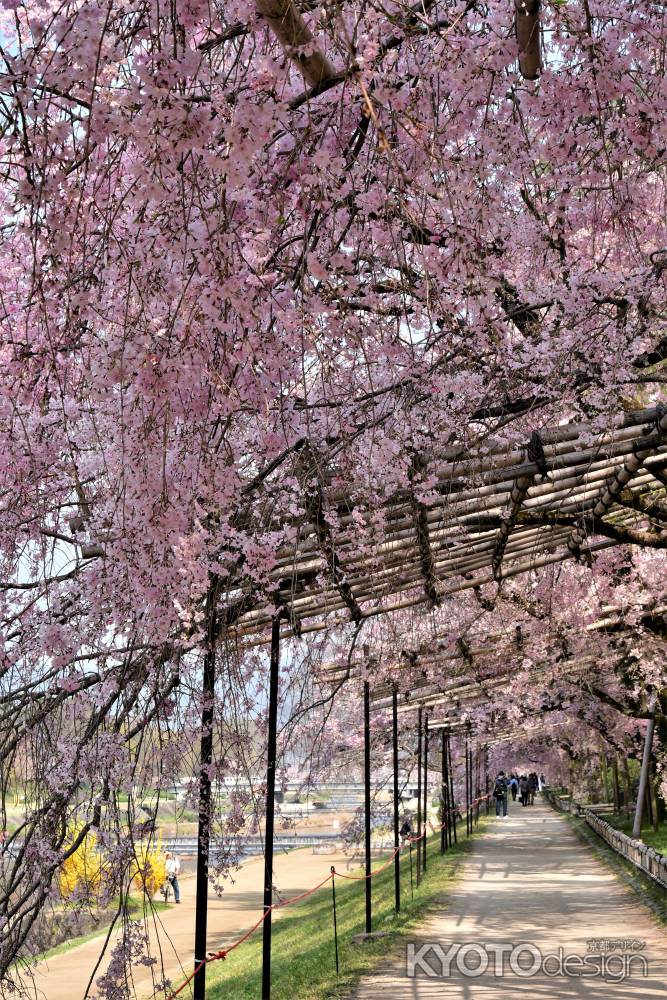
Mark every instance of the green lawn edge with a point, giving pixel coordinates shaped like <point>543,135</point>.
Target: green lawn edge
<point>303,957</point>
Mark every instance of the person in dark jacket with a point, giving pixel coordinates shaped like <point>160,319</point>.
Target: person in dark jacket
<point>524,789</point>
<point>533,785</point>
<point>500,794</point>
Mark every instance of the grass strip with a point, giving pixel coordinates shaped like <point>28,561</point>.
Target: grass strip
<point>303,961</point>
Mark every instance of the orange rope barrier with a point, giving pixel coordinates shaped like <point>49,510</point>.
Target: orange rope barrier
<point>222,954</point>
<point>376,872</point>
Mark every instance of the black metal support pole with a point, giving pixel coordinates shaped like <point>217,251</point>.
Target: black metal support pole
<point>367,798</point>
<point>452,800</point>
<point>443,794</point>
<point>335,920</point>
<point>471,779</point>
<point>419,792</point>
<point>474,760</point>
<point>270,806</point>
<point>397,859</point>
<point>204,829</point>
<point>425,792</point>
<point>467,782</point>
<point>450,804</point>
<point>412,883</point>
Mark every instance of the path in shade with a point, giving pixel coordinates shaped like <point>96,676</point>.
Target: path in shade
<point>530,880</point>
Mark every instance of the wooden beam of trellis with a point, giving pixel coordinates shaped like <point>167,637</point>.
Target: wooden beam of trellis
<point>459,535</point>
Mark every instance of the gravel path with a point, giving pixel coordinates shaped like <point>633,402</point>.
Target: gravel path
<point>530,880</point>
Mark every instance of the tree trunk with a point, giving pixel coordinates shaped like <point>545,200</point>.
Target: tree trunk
<point>528,37</point>
<point>643,777</point>
<point>627,787</point>
<point>617,792</point>
<point>653,798</point>
<point>648,805</point>
<point>288,25</point>
<point>604,767</point>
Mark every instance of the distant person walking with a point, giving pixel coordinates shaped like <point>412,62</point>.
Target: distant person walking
<point>524,788</point>
<point>533,785</point>
<point>500,794</point>
<point>514,786</point>
<point>406,830</point>
<point>173,867</point>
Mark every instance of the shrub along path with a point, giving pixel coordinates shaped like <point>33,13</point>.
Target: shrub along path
<point>532,880</point>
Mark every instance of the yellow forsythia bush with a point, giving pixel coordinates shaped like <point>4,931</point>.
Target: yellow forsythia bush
<point>149,868</point>
<point>81,872</point>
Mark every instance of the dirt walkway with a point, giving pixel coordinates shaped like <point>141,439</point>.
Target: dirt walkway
<point>531,880</point>
<point>65,976</point>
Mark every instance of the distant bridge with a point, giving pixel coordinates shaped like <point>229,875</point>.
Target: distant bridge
<point>246,845</point>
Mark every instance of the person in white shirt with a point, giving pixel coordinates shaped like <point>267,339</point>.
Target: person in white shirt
<point>173,871</point>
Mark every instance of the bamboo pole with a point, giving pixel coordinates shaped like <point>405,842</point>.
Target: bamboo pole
<point>470,501</point>
<point>254,628</point>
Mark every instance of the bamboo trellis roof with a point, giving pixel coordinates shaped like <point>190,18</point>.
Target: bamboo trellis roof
<point>455,678</point>
<point>567,492</point>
